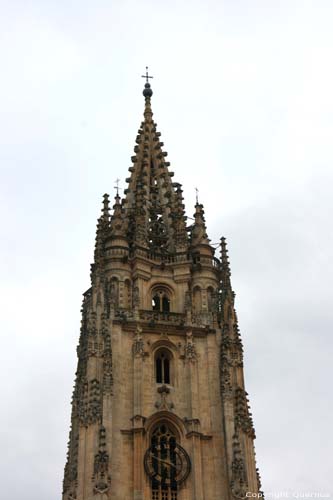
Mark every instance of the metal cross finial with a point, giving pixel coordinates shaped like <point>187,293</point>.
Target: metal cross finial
<point>146,76</point>
<point>117,186</point>
<point>197,195</point>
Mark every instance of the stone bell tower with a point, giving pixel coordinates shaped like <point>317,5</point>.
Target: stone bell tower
<point>159,409</point>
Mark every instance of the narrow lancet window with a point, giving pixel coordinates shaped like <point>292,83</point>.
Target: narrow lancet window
<point>162,367</point>
<point>166,371</point>
<point>159,370</point>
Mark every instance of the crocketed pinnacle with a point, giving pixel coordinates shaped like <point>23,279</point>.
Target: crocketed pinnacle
<point>117,219</point>
<point>225,267</point>
<point>103,226</point>
<point>153,203</point>
<point>199,231</point>
<point>106,207</point>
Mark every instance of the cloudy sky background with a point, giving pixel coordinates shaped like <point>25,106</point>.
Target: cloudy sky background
<point>243,98</point>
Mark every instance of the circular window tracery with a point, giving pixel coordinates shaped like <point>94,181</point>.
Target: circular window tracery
<point>166,463</point>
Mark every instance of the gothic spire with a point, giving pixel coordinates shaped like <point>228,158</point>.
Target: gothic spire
<point>151,197</point>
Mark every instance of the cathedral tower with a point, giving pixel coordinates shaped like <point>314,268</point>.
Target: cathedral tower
<point>159,409</point>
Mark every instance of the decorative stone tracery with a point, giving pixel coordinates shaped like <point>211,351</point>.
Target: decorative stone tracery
<point>101,477</point>
<point>90,409</point>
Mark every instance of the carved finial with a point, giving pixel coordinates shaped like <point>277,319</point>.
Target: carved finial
<point>196,196</point>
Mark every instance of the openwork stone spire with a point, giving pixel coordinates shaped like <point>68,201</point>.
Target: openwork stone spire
<point>153,203</point>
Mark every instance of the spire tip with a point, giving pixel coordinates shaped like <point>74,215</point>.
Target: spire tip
<point>147,91</point>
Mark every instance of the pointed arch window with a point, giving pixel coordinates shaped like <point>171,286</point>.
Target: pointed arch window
<point>163,366</point>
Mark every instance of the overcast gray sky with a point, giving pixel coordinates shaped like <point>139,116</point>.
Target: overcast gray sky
<point>243,98</point>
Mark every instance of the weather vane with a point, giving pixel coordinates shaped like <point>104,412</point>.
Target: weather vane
<point>146,76</point>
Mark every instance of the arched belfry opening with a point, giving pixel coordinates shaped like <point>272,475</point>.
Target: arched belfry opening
<point>161,300</point>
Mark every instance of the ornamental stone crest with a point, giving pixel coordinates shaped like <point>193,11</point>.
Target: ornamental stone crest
<point>163,404</point>
<point>190,350</point>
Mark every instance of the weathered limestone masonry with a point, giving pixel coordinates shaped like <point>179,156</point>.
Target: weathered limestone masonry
<point>159,408</point>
